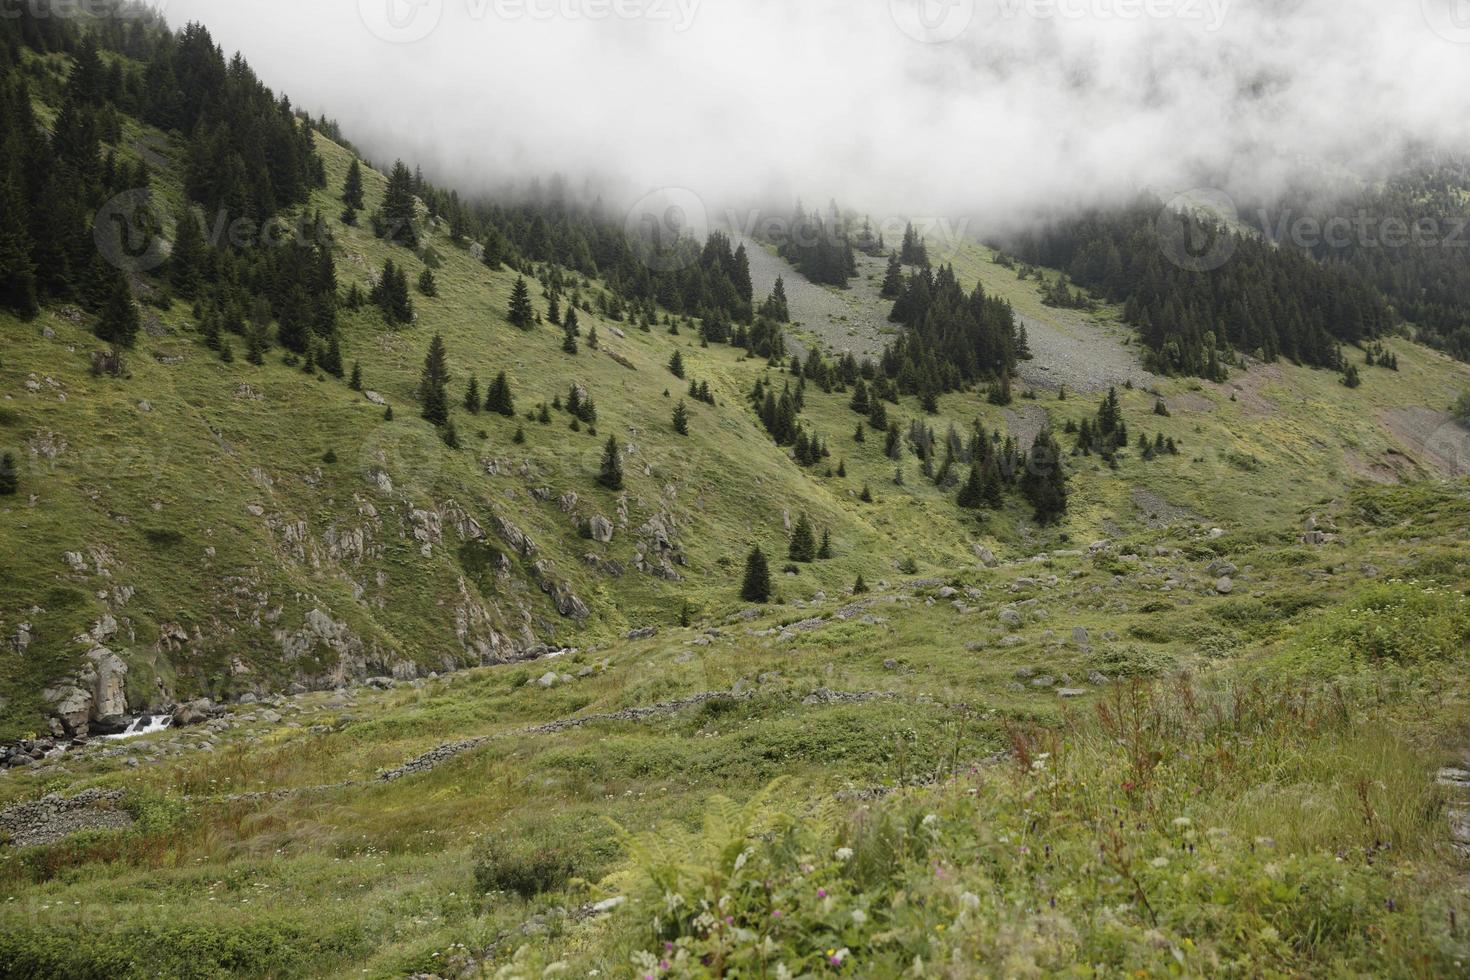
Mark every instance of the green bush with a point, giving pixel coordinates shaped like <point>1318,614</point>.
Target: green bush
<point>523,868</point>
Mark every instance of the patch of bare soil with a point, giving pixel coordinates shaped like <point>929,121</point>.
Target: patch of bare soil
<point>1435,440</point>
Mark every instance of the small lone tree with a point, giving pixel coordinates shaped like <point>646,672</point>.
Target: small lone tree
<point>355,383</point>
<point>612,466</point>
<point>803,543</point>
<point>498,399</point>
<point>432,381</point>
<point>472,396</point>
<point>676,365</point>
<point>681,418</point>
<point>824,552</point>
<point>521,313</point>
<point>859,587</point>
<point>757,584</point>
<point>427,285</point>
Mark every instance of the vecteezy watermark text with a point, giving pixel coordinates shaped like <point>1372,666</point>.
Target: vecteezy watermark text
<point>408,21</point>
<point>1210,13</point>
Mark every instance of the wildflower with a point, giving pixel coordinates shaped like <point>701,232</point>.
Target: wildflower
<point>776,913</point>
<point>930,819</point>
<point>970,900</point>
<point>844,854</point>
<point>1182,821</point>
<point>859,917</point>
<point>821,893</point>
<point>1160,862</point>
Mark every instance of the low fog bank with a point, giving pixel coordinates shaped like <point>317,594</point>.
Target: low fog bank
<point>993,108</point>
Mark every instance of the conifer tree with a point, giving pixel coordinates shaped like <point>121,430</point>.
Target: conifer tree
<point>569,339</point>
<point>803,547</point>
<point>449,434</point>
<point>1044,483</point>
<point>9,475</point>
<point>681,419</point>
<point>553,310</point>
<point>432,383</point>
<point>676,365</point>
<point>859,587</point>
<point>356,381</point>
<point>757,584</point>
<point>427,285</point>
<point>824,552</point>
<point>331,359</point>
<point>867,495</point>
<point>611,475</point>
<point>352,187</point>
<point>893,278</point>
<point>498,398</point>
<point>395,221</point>
<point>521,313</point>
<point>186,261</point>
<point>972,494</point>
<point>472,396</point>
<point>119,322</point>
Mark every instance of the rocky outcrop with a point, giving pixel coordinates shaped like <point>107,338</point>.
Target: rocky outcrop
<point>561,594</point>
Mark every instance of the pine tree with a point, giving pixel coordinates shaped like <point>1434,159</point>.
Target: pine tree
<point>498,398</point>
<point>676,365</point>
<point>611,475</point>
<point>356,382</point>
<point>521,313</point>
<point>18,286</point>
<point>449,434</point>
<point>186,261</point>
<point>893,278</point>
<point>553,310</point>
<point>352,187</point>
<point>9,475</point>
<point>867,495</point>
<point>331,359</point>
<point>972,494</point>
<point>757,584</point>
<point>681,419</point>
<point>395,221</point>
<point>803,547</point>
<point>824,552</point>
<point>472,396</point>
<point>427,285</point>
<point>1044,483</point>
<point>119,322</point>
<point>859,587</point>
<point>432,383</point>
<point>569,339</point>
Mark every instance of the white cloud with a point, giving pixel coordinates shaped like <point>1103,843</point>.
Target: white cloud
<point>1036,102</point>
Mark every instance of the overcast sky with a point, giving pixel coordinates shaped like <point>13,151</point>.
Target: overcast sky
<point>918,106</point>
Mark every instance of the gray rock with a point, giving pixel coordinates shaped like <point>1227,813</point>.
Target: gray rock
<point>600,528</point>
<point>547,679</point>
<point>1220,568</point>
<point>986,556</point>
<point>1224,586</point>
<point>1010,617</point>
<point>1071,692</point>
<point>1080,637</point>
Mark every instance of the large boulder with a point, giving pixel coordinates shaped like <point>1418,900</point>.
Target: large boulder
<point>71,705</point>
<point>109,694</point>
<point>600,528</point>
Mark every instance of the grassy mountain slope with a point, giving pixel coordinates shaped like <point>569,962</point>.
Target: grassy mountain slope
<point>1272,824</point>
<point>233,557</point>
